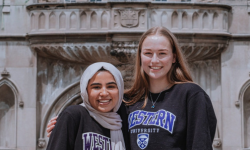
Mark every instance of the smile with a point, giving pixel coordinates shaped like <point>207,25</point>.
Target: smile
<point>104,101</point>
<point>155,68</point>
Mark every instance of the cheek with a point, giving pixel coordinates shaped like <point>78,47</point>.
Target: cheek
<point>144,60</point>
<point>92,96</point>
<point>115,94</point>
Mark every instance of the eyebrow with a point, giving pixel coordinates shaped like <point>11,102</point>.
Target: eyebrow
<point>93,84</point>
<point>159,49</point>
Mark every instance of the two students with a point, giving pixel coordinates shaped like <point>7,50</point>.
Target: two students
<point>165,109</point>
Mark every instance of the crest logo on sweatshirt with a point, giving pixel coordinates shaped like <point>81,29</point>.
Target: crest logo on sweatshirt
<point>142,140</point>
<point>95,141</point>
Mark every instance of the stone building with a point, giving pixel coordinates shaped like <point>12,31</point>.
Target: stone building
<point>45,45</point>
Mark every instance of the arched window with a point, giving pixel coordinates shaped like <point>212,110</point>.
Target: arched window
<point>7,114</point>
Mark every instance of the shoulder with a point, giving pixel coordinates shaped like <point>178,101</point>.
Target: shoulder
<point>188,89</point>
<point>188,86</point>
<point>75,111</point>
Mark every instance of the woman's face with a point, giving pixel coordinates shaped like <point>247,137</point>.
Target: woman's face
<point>157,56</point>
<point>102,91</point>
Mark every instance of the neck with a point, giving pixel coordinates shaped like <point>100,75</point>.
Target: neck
<point>156,86</point>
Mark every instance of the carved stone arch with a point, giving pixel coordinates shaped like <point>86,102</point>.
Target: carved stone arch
<point>73,20</point>
<point>184,20</point>
<point>52,20</point>
<point>153,19</point>
<point>62,21</point>
<point>205,21</point>
<point>216,21</point>
<point>174,20</point>
<point>164,19</point>
<point>244,101</point>
<point>33,22</point>
<point>41,21</point>
<point>93,20</point>
<point>195,20</point>
<point>70,96</point>
<point>225,21</point>
<point>83,20</point>
<point>104,20</point>
<point>8,114</point>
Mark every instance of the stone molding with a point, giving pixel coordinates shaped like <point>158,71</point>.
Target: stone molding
<point>90,18</point>
<point>122,52</point>
<point>76,53</point>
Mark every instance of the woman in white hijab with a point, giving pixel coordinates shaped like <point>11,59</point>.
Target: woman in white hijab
<point>94,124</point>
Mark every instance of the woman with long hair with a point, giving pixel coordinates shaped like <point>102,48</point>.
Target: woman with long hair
<point>166,110</point>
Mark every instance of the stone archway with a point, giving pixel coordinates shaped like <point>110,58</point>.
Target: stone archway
<point>8,111</point>
<point>70,96</point>
<point>244,100</point>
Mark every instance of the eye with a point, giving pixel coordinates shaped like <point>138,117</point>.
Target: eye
<point>96,87</point>
<point>111,86</point>
<point>147,53</point>
<point>163,53</point>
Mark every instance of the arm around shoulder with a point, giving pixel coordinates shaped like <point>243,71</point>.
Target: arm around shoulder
<point>63,135</point>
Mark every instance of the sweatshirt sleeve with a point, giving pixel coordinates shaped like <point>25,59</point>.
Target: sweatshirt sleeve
<point>201,122</point>
<point>64,134</point>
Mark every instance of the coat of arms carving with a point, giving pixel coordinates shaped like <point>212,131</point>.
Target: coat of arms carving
<point>129,17</point>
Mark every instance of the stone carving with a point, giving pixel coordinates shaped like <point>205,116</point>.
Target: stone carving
<point>248,6</point>
<point>195,51</point>
<point>175,20</point>
<point>184,20</point>
<point>196,19</point>
<point>77,53</point>
<point>41,23</point>
<point>93,21</point>
<point>124,51</point>
<point>129,17</point>
<point>5,73</point>
<point>73,21</point>
<point>62,21</point>
<point>41,142</point>
<point>127,71</point>
<point>217,142</point>
<point>8,94</point>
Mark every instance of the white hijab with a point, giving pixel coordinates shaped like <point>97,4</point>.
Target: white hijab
<point>109,120</point>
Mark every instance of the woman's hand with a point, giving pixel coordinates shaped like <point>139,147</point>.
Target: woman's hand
<point>51,126</point>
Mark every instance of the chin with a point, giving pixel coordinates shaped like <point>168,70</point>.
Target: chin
<point>104,110</point>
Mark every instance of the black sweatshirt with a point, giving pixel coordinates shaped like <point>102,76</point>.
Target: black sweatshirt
<point>183,119</point>
<point>77,130</point>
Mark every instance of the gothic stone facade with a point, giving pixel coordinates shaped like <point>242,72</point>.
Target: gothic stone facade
<point>45,45</point>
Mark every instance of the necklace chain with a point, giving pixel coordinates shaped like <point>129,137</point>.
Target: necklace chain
<point>153,103</point>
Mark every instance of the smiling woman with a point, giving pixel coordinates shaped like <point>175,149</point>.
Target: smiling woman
<point>103,92</point>
<point>79,126</point>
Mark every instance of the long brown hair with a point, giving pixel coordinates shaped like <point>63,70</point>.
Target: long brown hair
<point>178,73</point>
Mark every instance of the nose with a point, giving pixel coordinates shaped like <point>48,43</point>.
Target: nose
<point>104,92</point>
<point>155,58</point>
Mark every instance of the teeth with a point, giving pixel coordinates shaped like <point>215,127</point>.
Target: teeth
<point>103,101</point>
<point>156,67</point>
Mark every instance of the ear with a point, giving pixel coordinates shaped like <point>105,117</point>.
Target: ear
<point>174,58</point>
